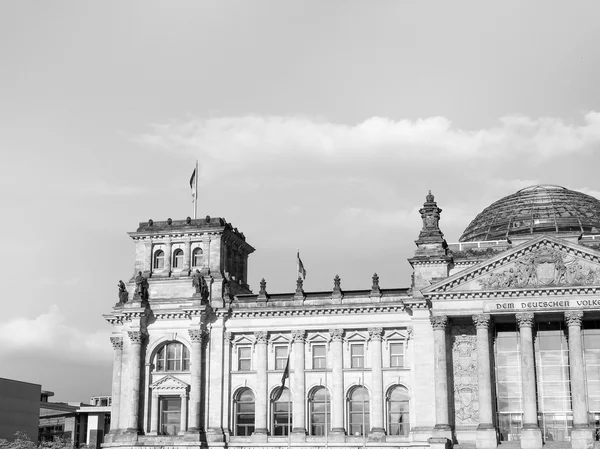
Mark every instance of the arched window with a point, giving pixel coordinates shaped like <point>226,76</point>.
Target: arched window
<point>281,413</point>
<point>159,260</point>
<point>173,356</point>
<point>197,257</point>
<point>243,404</point>
<point>397,411</point>
<point>319,403</point>
<point>178,258</point>
<point>358,411</point>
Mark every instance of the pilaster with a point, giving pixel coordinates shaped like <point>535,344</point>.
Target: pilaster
<point>117,343</point>
<point>442,427</point>
<point>260,426</point>
<point>337,410</point>
<point>299,431</point>
<point>377,432</point>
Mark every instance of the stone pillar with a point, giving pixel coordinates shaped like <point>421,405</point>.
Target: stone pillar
<point>260,423</point>
<point>215,382</point>
<point>486,432</point>
<point>137,339</point>
<point>148,260</point>
<point>531,435</point>
<point>183,422</point>
<point>299,431</point>
<point>206,255</point>
<point>442,418</point>
<point>377,432</point>
<point>196,336</point>
<point>154,414</point>
<point>187,256</point>
<point>168,255</point>
<point>337,405</point>
<point>582,435</point>
<point>117,343</point>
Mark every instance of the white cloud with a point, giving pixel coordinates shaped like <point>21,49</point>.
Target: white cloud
<point>50,333</point>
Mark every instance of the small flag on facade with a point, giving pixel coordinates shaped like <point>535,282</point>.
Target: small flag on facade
<point>193,181</point>
<point>301,270</point>
<point>286,374</point>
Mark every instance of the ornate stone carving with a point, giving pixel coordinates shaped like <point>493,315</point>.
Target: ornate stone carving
<point>123,295</point>
<point>439,322</point>
<point>574,317</point>
<point>199,284</point>
<point>195,335</point>
<point>136,337</point>
<point>481,321</point>
<point>375,288</point>
<point>261,336</point>
<point>524,319</point>
<point>141,287</point>
<point>336,284</point>
<point>117,342</point>
<point>375,333</point>
<point>430,214</point>
<point>336,334</point>
<point>299,335</point>
<point>543,267</point>
<point>464,365</point>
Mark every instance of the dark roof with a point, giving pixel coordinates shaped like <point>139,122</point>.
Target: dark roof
<point>542,209</point>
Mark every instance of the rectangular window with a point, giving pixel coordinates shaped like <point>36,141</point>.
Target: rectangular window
<point>244,358</point>
<point>170,415</point>
<point>319,357</point>
<point>397,355</point>
<point>281,354</point>
<point>357,356</point>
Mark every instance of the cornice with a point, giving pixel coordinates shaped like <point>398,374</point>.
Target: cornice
<point>288,312</point>
<point>515,293</point>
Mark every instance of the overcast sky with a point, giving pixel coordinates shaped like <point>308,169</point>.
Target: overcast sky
<point>319,126</point>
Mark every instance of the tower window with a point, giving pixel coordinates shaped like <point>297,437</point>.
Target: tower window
<point>173,357</point>
<point>178,258</point>
<point>197,257</point>
<point>159,260</point>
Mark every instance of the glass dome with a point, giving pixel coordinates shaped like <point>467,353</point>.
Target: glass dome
<point>544,209</point>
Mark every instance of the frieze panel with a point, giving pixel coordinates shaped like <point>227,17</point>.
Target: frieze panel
<point>464,366</point>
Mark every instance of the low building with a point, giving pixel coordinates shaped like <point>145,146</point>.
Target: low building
<point>19,408</point>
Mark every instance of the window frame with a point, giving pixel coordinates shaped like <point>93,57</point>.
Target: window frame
<point>197,256</point>
<point>402,356</point>
<point>178,258</point>
<point>361,357</point>
<point>404,424</point>
<point>365,409</point>
<point>281,366</point>
<point>158,260</point>
<point>248,428</point>
<point>286,427</point>
<point>181,361</point>
<point>325,430</point>
<point>240,358</point>
<point>161,413</point>
<point>319,358</point>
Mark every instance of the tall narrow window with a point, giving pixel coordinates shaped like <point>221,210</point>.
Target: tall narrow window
<point>358,412</point>
<point>178,258</point>
<point>319,411</point>
<point>159,260</point>
<point>197,257</point>
<point>170,415</point>
<point>173,357</point>
<point>357,356</point>
<point>282,413</point>
<point>319,357</point>
<point>244,358</point>
<point>244,412</point>
<point>281,354</point>
<point>398,407</point>
<point>397,355</point>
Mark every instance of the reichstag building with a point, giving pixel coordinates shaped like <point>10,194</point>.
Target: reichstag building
<point>494,341</point>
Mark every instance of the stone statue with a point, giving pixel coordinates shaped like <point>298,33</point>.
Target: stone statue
<point>196,281</point>
<point>226,290</point>
<point>141,286</point>
<point>123,295</point>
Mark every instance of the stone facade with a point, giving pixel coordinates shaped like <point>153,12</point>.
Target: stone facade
<point>200,360</point>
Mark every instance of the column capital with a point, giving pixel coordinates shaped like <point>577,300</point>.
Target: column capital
<point>574,317</point>
<point>299,335</point>
<point>525,319</point>
<point>375,333</point>
<point>336,334</point>
<point>197,335</point>
<point>136,337</point>
<point>439,322</point>
<point>481,321</point>
<point>261,337</point>
<point>117,342</point>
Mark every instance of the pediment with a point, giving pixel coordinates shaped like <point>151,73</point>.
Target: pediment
<point>169,383</point>
<point>542,263</point>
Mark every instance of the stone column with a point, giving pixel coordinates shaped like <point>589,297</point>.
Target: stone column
<point>442,418</point>
<point>299,431</point>
<point>260,423</point>
<point>148,259</point>
<point>154,414</point>
<point>206,255</point>
<point>117,343</point>
<point>531,436</point>
<point>215,382</point>
<point>168,255</point>
<point>196,336</point>
<point>486,432</point>
<point>187,256</point>
<point>137,339</point>
<point>377,432</point>
<point>183,422</point>
<point>337,405</point>
<point>582,435</point>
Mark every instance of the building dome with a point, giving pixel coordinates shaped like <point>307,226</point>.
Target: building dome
<point>544,209</point>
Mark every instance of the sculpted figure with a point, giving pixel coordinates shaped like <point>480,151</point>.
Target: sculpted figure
<point>196,280</point>
<point>141,286</point>
<point>561,272</point>
<point>123,295</point>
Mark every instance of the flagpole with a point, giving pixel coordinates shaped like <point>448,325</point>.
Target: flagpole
<point>196,193</point>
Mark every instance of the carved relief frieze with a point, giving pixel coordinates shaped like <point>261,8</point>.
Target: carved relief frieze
<point>464,365</point>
